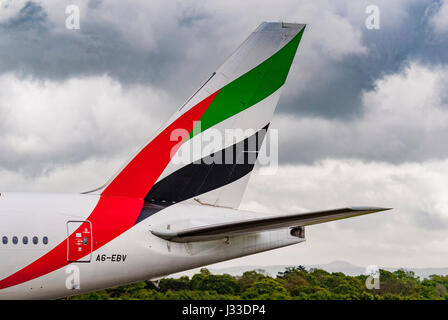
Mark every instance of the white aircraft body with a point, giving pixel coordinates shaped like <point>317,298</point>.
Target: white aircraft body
<point>158,216</point>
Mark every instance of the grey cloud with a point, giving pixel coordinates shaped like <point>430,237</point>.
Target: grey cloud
<point>94,4</point>
<point>323,114</point>
<point>415,191</point>
<point>335,87</point>
<point>30,46</point>
<point>403,120</point>
<point>64,124</point>
<point>323,84</point>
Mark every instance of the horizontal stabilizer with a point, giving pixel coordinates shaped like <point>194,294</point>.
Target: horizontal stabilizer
<point>223,230</point>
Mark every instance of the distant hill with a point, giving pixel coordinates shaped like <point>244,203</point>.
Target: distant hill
<point>335,266</point>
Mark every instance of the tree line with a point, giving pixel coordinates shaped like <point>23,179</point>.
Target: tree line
<point>295,283</point>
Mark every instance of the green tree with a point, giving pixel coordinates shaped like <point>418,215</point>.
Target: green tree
<point>182,283</point>
<point>248,278</point>
<point>222,284</point>
<point>267,289</point>
<point>293,283</point>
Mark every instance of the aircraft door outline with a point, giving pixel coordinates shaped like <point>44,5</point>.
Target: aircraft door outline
<point>79,241</point>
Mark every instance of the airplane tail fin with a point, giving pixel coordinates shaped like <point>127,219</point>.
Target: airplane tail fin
<point>241,96</point>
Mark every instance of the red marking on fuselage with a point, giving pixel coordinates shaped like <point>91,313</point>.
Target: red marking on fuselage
<point>111,217</point>
<point>121,202</point>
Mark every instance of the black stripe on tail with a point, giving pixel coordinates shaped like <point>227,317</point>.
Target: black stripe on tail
<point>205,174</point>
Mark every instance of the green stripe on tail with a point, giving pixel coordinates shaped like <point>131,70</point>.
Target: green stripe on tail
<point>251,87</point>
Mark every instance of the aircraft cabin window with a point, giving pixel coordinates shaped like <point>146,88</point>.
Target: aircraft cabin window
<point>15,240</point>
<point>25,240</point>
<point>45,240</point>
<point>35,240</point>
<point>5,240</point>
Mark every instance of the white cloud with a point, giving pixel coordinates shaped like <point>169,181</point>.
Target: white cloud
<point>412,234</point>
<point>404,119</point>
<point>145,24</point>
<point>72,135</point>
<point>48,124</point>
<point>440,19</point>
<point>10,8</point>
<point>70,178</point>
<point>328,32</point>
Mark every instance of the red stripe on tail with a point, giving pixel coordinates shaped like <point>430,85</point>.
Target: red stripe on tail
<point>121,202</point>
<point>138,177</point>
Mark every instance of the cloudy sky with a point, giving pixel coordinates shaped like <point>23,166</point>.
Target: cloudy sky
<point>363,119</point>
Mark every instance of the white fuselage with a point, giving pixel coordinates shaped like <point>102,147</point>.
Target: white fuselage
<point>134,255</point>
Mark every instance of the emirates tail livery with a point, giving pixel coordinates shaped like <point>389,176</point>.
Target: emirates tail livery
<point>161,214</point>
